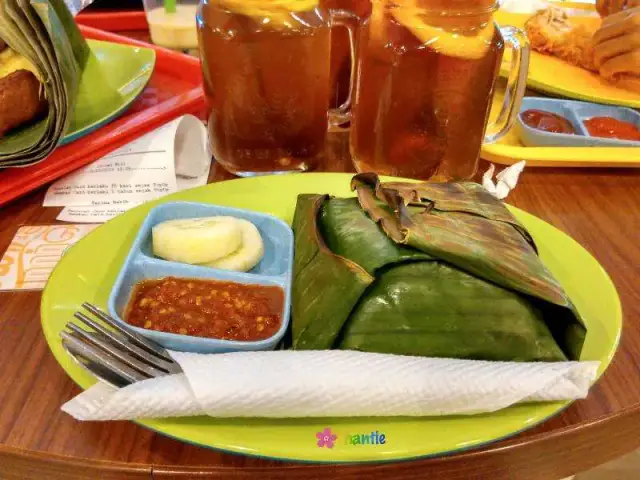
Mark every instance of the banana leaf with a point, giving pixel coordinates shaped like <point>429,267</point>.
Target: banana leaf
<point>45,33</point>
<point>433,269</point>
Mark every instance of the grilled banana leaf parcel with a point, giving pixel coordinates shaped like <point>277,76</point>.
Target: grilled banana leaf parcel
<point>431,269</point>
<point>43,37</point>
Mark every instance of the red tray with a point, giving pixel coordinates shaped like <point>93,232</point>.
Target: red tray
<point>175,89</point>
<point>114,21</point>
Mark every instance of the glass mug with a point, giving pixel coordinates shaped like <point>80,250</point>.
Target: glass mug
<point>341,60</point>
<point>426,75</point>
<point>266,71</point>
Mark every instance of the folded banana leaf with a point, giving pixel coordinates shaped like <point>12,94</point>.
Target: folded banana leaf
<point>431,269</point>
<point>44,32</point>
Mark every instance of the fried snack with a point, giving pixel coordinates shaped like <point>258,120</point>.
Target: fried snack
<point>609,7</point>
<point>21,100</point>
<point>627,81</point>
<point>550,31</point>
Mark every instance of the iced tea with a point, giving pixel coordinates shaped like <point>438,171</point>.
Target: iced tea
<point>422,100</point>
<point>266,79</point>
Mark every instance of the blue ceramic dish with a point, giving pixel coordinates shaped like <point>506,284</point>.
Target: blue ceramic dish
<point>576,113</point>
<point>275,268</point>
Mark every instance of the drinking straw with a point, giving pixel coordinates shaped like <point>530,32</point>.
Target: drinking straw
<point>170,6</point>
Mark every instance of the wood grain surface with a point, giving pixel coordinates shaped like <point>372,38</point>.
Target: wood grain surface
<point>598,207</point>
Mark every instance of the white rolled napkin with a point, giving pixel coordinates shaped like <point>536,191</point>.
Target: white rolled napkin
<point>532,6</point>
<point>333,383</point>
<point>523,6</point>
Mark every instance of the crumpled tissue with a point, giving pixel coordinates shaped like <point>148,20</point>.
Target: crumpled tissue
<point>505,181</point>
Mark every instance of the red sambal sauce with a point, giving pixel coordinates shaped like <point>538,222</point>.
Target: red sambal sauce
<point>547,122</point>
<point>609,127</point>
<point>207,308</point>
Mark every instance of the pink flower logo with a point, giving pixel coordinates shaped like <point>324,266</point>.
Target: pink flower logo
<point>326,438</point>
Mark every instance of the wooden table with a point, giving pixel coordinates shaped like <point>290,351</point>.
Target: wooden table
<point>599,208</point>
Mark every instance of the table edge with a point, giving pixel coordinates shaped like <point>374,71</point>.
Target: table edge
<point>568,444</point>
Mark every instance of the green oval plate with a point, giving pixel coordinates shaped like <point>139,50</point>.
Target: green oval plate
<point>89,269</point>
<point>124,69</point>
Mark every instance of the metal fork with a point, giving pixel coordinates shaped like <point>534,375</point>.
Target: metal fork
<point>116,355</point>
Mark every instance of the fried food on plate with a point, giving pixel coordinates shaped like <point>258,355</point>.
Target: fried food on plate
<point>21,100</point>
<point>550,31</point>
<point>611,7</point>
<point>21,94</point>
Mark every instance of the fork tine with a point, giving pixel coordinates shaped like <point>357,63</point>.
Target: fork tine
<point>124,344</point>
<point>80,350</point>
<point>96,369</point>
<point>134,337</point>
<point>101,341</point>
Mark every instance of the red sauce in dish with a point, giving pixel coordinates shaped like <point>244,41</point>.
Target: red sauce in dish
<point>547,121</point>
<point>207,308</point>
<point>608,127</point>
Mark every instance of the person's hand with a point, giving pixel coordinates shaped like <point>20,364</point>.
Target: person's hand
<point>609,7</point>
<point>617,44</point>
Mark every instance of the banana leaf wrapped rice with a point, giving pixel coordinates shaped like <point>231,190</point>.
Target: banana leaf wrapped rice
<point>430,269</point>
<point>47,72</point>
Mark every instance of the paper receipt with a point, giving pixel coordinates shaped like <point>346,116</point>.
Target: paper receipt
<point>169,159</point>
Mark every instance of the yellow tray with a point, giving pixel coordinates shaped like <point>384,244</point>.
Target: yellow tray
<point>553,76</point>
<point>509,150</point>
<point>556,77</point>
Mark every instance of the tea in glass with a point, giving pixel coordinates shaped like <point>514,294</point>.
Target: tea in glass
<point>425,83</point>
<point>266,79</point>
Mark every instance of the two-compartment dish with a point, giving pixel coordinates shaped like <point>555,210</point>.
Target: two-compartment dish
<point>201,308</point>
<point>545,122</point>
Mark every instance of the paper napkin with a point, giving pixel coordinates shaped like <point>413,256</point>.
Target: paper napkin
<point>505,181</point>
<point>532,6</point>
<point>174,157</point>
<point>523,6</point>
<point>334,383</point>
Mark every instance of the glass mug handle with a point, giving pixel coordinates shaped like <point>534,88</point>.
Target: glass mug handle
<point>350,21</point>
<point>516,83</point>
